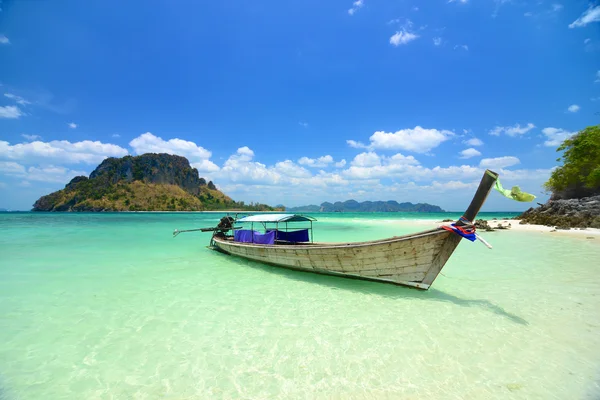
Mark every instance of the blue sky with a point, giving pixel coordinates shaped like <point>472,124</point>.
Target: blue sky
<point>299,102</point>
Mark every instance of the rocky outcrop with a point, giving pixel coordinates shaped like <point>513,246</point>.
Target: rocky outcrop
<point>75,181</point>
<point>578,191</point>
<point>482,225</point>
<point>572,213</point>
<point>162,169</point>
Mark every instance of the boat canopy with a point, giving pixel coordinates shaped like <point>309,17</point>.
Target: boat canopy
<point>276,218</point>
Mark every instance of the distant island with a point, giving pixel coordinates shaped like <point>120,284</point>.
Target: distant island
<point>368,206</point>
<point>150,182</point>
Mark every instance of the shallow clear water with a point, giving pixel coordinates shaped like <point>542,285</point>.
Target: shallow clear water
<point>111,306</point>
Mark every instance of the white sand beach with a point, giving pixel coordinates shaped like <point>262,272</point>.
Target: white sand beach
<point>518,226</point>
<point>515,225</point>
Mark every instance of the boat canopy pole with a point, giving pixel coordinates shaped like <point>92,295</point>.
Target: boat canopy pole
<point>485,186</point>
<point>177,231</point>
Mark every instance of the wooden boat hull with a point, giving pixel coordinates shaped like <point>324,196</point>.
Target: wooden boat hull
<point>413,260</point>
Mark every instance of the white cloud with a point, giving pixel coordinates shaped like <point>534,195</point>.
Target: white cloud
<point>528,14</point>
<point>204,165</point>
<point>402,37</point>
<point>597,77</point>
<point>48,173</point>
<point>557,7</point>
<point>289,168</point>
<point>11,168</point>
<point>239,167</point>
<point>499,162</point>
<point>369,159</point>
<point>468,153</point>
<point>60,152</point>
<point>418,140</point>
<point>253,181</point>
<point>415,8</point>
<point>303,124</point>
<point>52,173</point>
<point>437,41</point>
<point>10,112</point>
<point>512,130</point>
<point>461,47</point>
<point>17,99</point>
<point>586,41</point>
<point>4,39</point>
<point>474,142</point>
<point>592,14</point>
<point>115,135</point>
<point>327,181</point>
<point>317,163</point>
<point>374,172</point>
<point>458,1</point>
<point>556,136</point>
<point>340,164</point>
<point>72,125</point>
<point>595,98</point>
<point>314,189</point>
<point>245,153</point>
<point>401,159</point>
<point>409,168</point>
<point>31,138</point>
<point>452,185</point>
<point>356,145</point>
<point>573,108</point>
<point>355,6</point>
<point>198,156</point>
<point>373,166</point>
<point>517,175</point>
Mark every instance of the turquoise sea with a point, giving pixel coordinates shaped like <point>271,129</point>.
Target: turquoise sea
<point>111,306</point>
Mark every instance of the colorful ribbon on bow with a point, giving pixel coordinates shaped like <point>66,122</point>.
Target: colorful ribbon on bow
<point>466,230</point>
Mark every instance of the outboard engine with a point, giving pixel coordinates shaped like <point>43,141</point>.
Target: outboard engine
<point>225,224</point>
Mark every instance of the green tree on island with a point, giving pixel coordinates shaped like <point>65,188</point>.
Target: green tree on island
<point>579,176</point>
<point>572,185</point>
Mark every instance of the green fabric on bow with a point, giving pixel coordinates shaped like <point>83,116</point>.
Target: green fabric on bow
<point>515,193</point>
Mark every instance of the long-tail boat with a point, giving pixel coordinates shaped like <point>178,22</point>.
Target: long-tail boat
<point>412,260</point>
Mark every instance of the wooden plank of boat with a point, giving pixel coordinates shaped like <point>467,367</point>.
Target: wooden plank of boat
<point>411,260</point>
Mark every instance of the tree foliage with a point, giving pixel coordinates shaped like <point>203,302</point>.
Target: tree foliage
<point>579,175</point>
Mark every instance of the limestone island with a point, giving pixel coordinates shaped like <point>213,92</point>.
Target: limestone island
<point>149,182</point>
